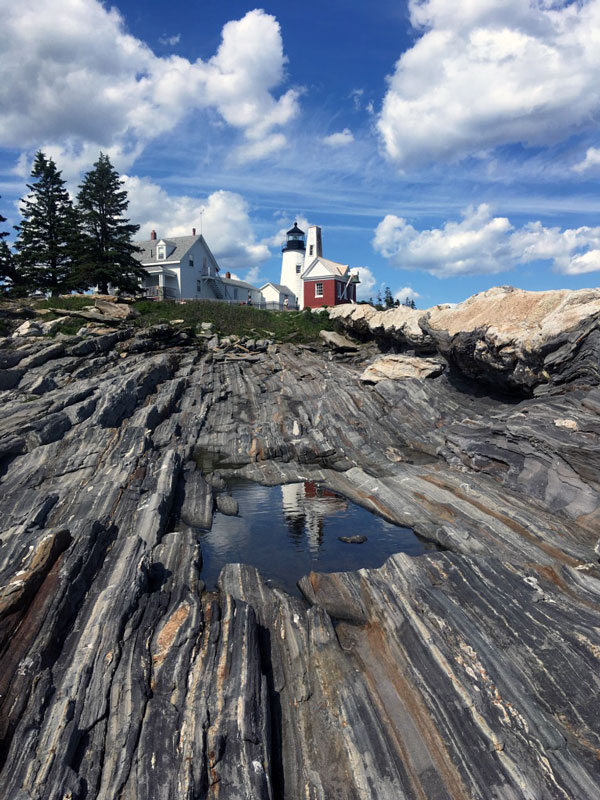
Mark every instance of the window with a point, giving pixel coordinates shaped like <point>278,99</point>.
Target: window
<point>310,249</point>
<point>235,297</point>
<point>319,289</point>
<point>298,268</point>
<point>199,287</point>
<point>160,252</point>
<point>191,261</point>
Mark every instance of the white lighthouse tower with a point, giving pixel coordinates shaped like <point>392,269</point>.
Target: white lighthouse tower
<point>292,261</point>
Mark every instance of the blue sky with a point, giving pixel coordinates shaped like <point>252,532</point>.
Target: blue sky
<point>443,148</point>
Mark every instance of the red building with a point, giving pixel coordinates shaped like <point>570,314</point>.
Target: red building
<point>316,281</point>
<point>327,283</point>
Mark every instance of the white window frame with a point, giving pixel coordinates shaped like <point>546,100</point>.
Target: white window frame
<point>319,293</point>
<point>161,252</point>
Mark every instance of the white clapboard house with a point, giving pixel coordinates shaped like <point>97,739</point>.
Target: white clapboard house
<point>180,268</point>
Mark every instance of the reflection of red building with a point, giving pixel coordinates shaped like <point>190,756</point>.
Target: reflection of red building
<point>309,504</point>
<point>312,490</point>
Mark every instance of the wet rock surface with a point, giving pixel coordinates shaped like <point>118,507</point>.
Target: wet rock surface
<point>469,673</point>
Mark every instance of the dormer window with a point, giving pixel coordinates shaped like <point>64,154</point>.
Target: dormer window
<point>161,252</point>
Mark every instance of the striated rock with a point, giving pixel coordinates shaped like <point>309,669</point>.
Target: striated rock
<point>521,339</point>
<point>338,342</point>
<point>197,501</point>
<point>227,505</point>
<point>461,656</point>
<point>467,674</point>
<point>399,367</point>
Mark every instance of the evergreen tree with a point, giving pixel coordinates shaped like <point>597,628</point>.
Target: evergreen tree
<point>106,250</point>
<point>7,266</point>
<point>388,298</point>
<point>47,232</point>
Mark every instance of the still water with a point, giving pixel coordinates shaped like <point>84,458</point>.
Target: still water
<point>287,531</point>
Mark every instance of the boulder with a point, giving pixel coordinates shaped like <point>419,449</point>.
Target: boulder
<point>116,310</point>
<point>227,504</point>
<point>399,367</point>
<point>29,328</point>
<point>338,342</point>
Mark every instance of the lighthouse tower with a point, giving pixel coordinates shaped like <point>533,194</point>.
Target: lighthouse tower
<point>292,261</point>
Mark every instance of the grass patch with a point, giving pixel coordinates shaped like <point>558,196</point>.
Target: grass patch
<point>70,303</point>
<point>296,326</point>
<point>69,327</point>
<point>281,326</point>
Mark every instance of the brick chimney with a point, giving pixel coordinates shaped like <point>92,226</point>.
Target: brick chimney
<point>193,231</point>
<point>228,275</point>
<point>152,236</point>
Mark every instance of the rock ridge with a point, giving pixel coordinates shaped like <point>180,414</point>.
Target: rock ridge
<point>466,673</point>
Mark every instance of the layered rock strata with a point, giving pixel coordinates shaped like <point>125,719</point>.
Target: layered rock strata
<point>513,339</point>
<point>461,674</point>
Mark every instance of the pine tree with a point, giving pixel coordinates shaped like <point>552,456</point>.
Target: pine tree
<point>388,298</point>
<point>47,232</point>
<point>7,266</point>
<point>106,250</point>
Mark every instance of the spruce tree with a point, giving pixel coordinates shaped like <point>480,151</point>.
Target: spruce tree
<point>7,267</point>
<point>106,250</point>
<point>47,232</point>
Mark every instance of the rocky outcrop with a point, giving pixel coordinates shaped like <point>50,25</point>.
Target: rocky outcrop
<point>509,338</point>
<point>464,674</point>
<point>399,367</point>
<point>397,324</point>
<point>522,339</point>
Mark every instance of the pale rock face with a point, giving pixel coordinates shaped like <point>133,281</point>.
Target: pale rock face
<point>338,342</point>
<point>508,337</point>
<point>521,338</point>
<point>29,328</point>
<point>115,310</point>
<point>399,367</point>
<point>400,323</point>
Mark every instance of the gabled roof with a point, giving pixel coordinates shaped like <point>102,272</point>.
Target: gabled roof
<point>331,267</point>
<point>182,245</point>
<point>278,287</point>
<point>241,284</point>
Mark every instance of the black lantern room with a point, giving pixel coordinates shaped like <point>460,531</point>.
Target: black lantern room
<point>294,239</point>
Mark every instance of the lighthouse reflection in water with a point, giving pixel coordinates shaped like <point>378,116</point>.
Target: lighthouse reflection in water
<point>288,531</point>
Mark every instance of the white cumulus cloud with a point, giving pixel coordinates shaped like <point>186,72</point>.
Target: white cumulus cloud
<point>492,72</point>
<point>73,79</point>
<point>483,244</point>
<point>406,293</point>
<point>364,290</point>
<point>223,217</point>
<point>592,159</point>
<point>339,139</point>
